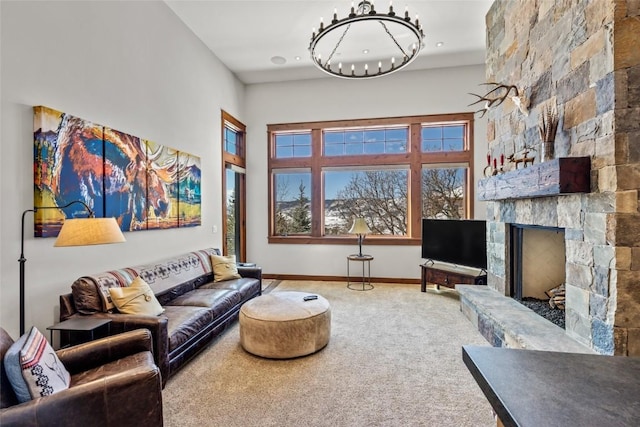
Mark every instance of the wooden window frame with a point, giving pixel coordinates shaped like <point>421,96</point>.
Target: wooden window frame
<point>238,159</point>
<point>414,158</point>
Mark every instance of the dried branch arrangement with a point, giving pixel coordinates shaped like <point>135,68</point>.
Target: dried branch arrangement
<point>548,124</point>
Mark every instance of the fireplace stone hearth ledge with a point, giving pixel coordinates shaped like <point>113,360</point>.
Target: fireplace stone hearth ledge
<point>504,322</point>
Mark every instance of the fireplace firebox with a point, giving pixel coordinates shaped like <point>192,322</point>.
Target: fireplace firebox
<point>538,270</point>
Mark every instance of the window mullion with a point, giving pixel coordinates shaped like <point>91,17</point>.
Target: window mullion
<point>453,157</point>
<point>415,181</point>
<point>470,172</point>
<point>316,183</point>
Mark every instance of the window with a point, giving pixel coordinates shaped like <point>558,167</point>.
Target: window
<point>442,138</point>
<point>443,192</point>
<point>231,140</point>
<point>293,145</point>
<point>380,195</point>
<point>292,199</point>
<point>390,171</point>
<point>365,141</point>
<point>233,187</point>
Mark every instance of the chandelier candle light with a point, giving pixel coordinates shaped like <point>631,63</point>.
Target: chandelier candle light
<point>343,39</point>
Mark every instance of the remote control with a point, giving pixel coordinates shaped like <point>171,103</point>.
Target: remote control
<point>310,297</point>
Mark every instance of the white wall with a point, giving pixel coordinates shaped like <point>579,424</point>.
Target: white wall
<point>405,93</point>
<point>133,66</point>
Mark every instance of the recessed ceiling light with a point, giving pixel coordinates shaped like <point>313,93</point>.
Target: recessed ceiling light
<point>439,44</point>
<point>298,58</point>
<point>278,60</point>
<point>365,51</point>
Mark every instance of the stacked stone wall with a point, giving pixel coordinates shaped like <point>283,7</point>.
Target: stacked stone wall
<point>582,57</point>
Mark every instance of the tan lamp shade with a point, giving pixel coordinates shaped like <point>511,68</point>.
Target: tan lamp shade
<point>89,231</point>
<point>359,227</point>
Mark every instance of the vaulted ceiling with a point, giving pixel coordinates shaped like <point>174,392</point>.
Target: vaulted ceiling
<point>246,35</point>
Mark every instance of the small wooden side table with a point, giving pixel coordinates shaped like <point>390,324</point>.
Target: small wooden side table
<point>448,278</point>
<point>366,278</point>
<point>78,329</point>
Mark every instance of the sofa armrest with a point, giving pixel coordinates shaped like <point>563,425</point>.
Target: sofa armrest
<point>132,397</point>
<point>253,272</point>
<point>158,325</point>
<point>90,355</point>
<point>67,306</point>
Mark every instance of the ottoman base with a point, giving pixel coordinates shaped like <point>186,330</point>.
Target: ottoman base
<point>281,325</point>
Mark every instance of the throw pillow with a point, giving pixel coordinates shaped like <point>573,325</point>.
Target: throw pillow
<point>33,368</point>
<point>224,268</point>
<point>137,298</point>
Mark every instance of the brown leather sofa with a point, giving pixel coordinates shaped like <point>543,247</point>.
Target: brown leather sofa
<point>114,382</point>
<point>197,309</point>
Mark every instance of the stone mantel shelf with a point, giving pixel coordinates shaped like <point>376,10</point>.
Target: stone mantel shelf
<point>563,175</point>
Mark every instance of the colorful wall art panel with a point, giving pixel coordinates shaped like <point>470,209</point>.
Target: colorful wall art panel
<point>125,179</point>
<point>68,166</point>
<point>188,190</point>
<point>116,174</point>
<point>162,186</point>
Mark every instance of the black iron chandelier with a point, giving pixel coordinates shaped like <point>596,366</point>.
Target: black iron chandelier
<point>349,48</point>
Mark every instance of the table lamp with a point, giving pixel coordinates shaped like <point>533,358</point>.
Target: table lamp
<point>360,228</point>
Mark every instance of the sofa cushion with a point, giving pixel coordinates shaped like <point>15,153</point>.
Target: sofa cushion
<point>86,298</point>
<point>224,268</point>
<point>185,322</point>
<point>91,293</point>
<point>247,287</point>
<point>206,297</point>
<point>33,368</point>
<point>137,298</point>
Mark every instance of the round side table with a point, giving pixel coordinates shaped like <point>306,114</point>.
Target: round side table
<point>366,278</point>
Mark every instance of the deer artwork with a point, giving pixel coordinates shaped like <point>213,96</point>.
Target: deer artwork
<point>525,159</point>
<point>492,99</point>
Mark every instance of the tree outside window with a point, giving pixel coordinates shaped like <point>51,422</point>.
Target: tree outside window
<point>378,196</point>
<point>292,204</point>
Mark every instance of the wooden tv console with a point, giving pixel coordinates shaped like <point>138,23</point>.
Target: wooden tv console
<point>449,278</point>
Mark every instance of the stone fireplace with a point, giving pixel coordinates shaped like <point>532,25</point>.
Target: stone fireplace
<point>580,58</point>
<point>586,259</point>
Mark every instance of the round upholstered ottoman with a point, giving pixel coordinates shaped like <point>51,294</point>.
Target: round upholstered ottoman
<point>282,325</point>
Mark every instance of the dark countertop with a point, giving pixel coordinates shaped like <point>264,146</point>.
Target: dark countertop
<point>543,388</point>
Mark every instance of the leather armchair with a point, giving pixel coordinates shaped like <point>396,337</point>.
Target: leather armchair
<point>114,382</point>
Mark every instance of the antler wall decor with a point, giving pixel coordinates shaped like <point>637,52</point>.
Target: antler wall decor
<point>492,99</point>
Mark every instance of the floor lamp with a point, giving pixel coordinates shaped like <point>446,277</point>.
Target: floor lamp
<point>74,232</point>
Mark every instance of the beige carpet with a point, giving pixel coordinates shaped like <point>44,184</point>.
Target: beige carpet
<point>394,359</point>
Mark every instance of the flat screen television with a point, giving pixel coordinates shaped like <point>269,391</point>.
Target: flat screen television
<point>456,241</point>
